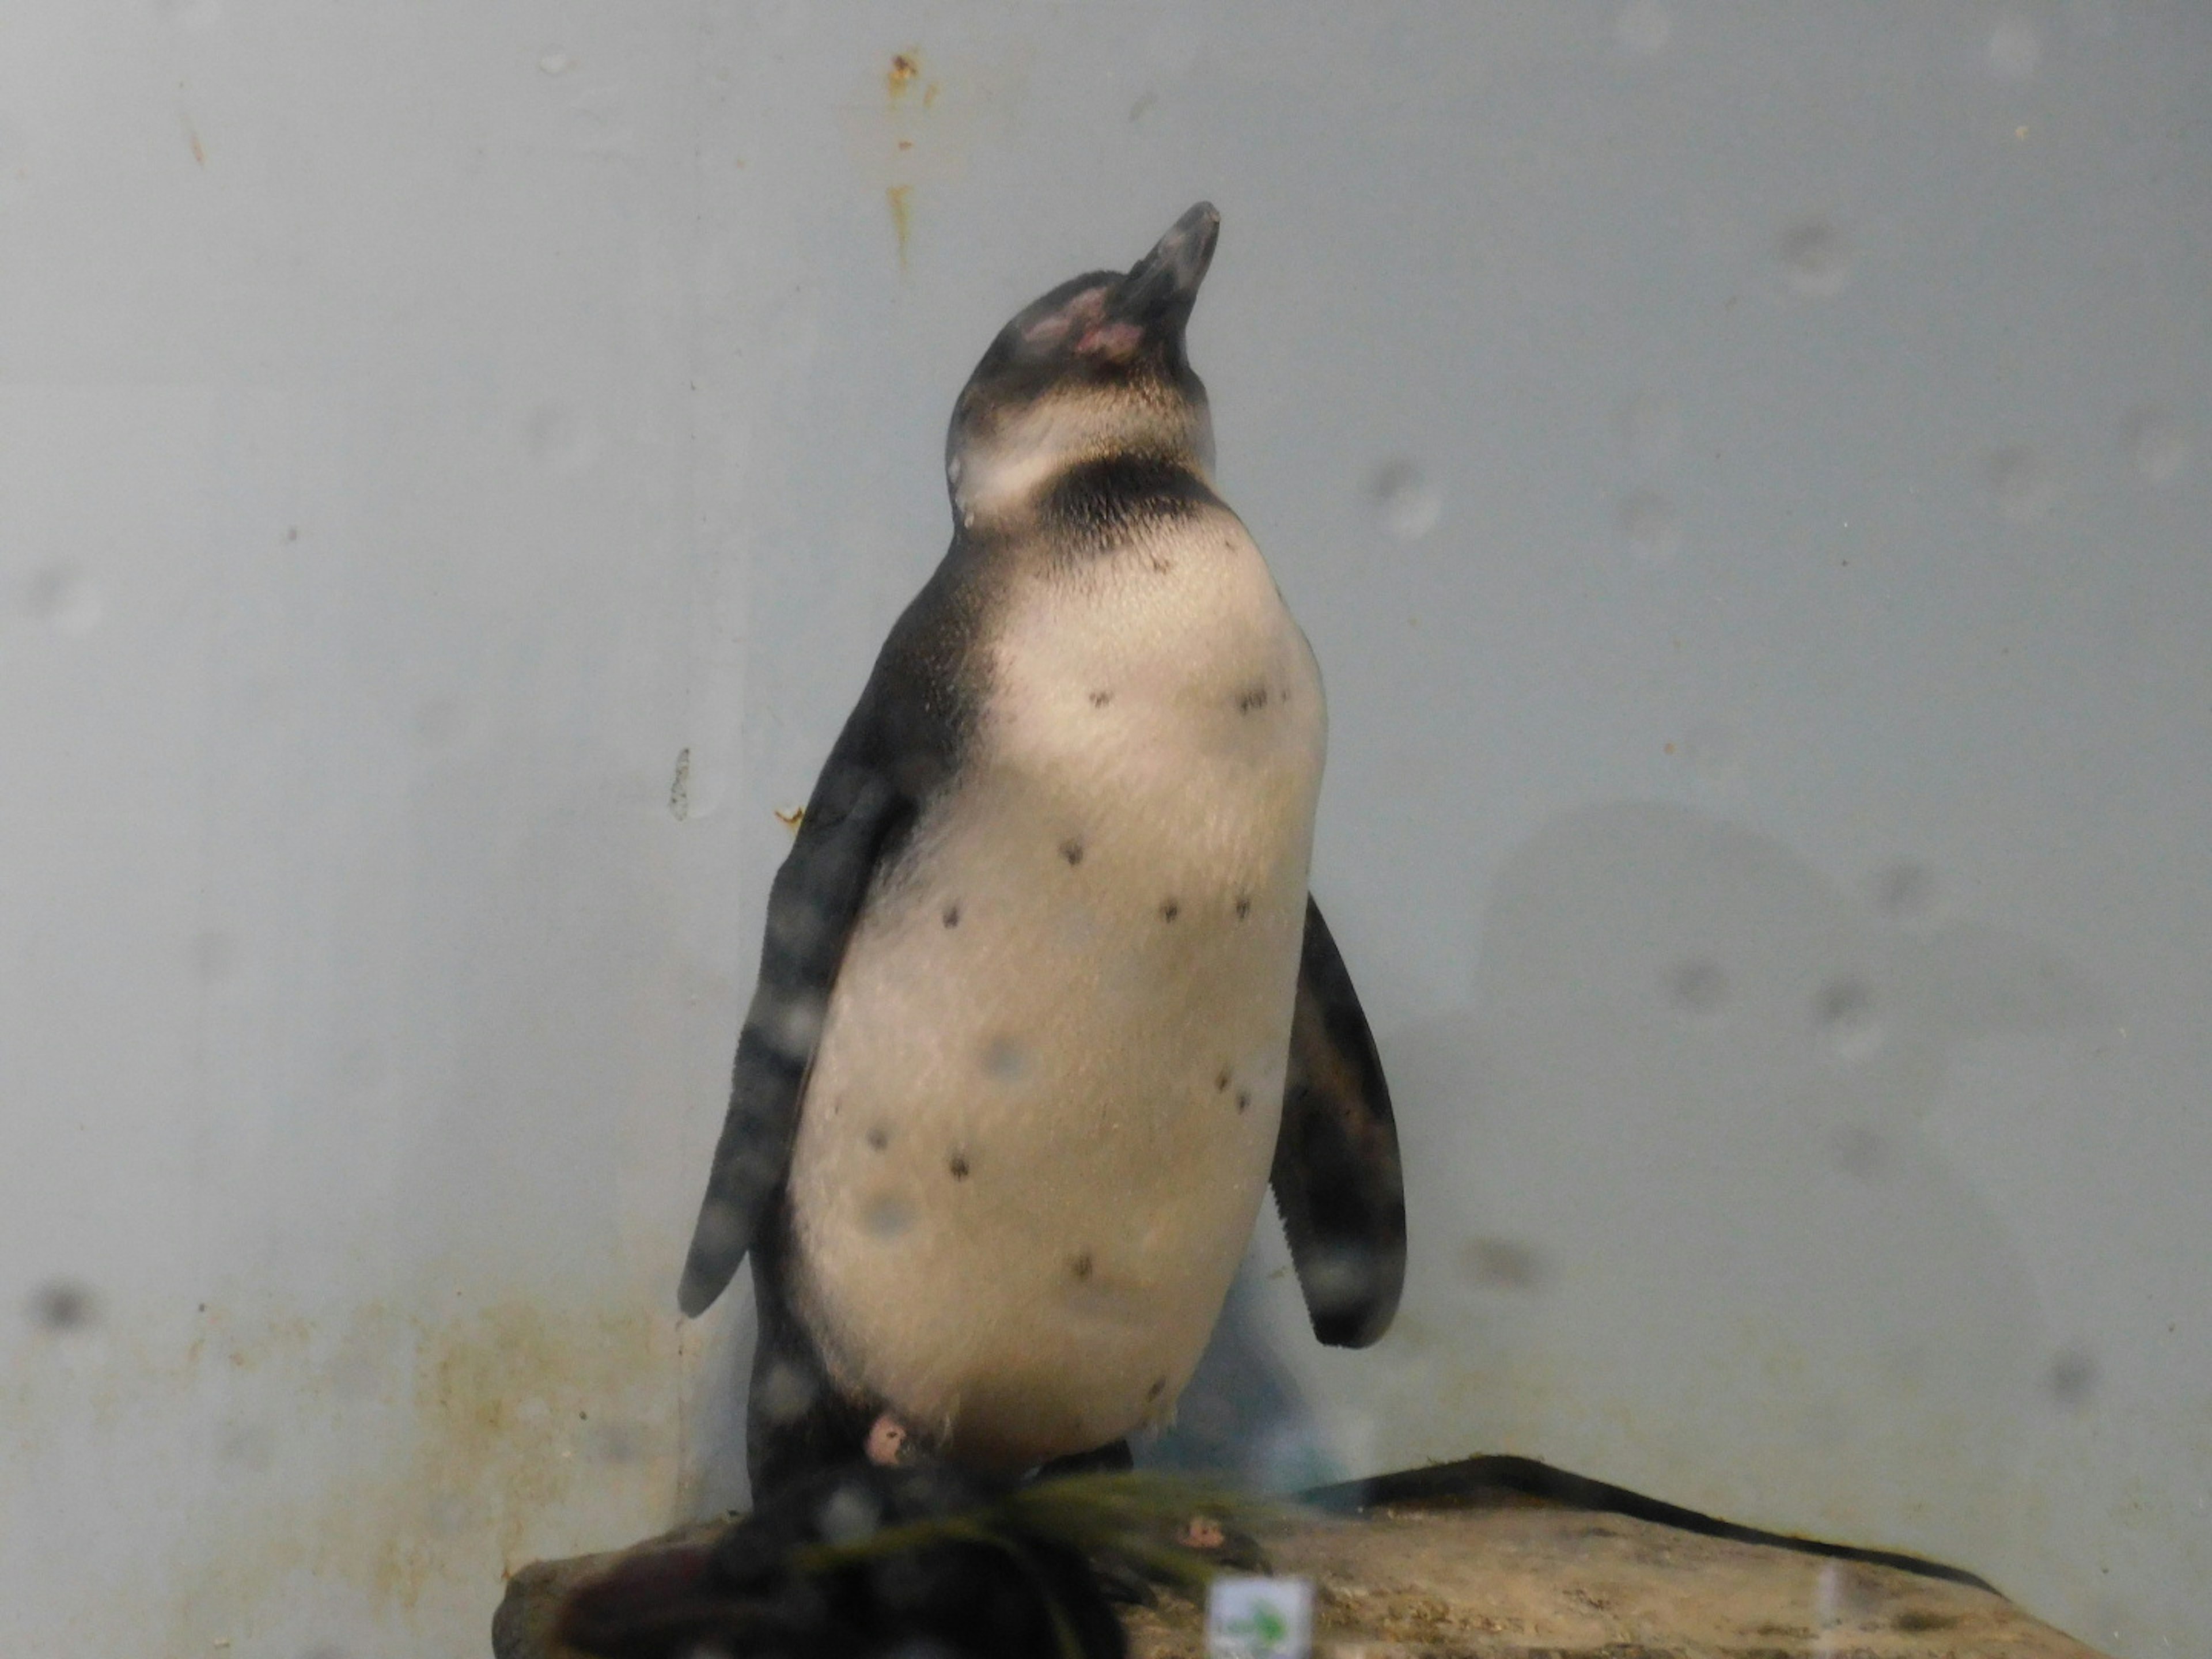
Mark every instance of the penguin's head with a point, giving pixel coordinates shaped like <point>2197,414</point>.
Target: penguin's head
<point>1095,368</point>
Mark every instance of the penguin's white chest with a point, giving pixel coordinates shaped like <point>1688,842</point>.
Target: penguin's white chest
<point>1046,1096</point>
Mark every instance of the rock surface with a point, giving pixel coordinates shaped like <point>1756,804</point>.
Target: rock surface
<point>1505,1580</point>
<point>1513,1579</point>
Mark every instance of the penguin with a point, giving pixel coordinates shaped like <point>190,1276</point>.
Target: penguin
<point>1044,1003</point>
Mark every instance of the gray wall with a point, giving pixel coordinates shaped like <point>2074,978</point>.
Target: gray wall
<point>1744,469</point>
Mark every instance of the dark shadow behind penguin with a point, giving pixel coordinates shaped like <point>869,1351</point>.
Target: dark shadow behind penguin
<point>1043,1001</point>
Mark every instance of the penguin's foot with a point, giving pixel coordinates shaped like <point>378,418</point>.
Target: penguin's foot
<point>1202,1532</point>
<point>1167,1533</point>
<point>1214,1542</point>
<point>890,1446</point>
<point>1225,1545</point>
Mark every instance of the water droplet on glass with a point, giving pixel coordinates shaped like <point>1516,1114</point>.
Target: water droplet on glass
<point>448,1514</point>
<point>1649,523</point>
<point>1845,1592</point>
<point>363,1364</point>
<point>1698,988</point>
<point>2021,482</point>
<point>556,63</point>
<point>1859,1151</point>
<point>1502,1264</point>
<point>1714,752</point>
<point>436,722</point>
<point>2093,18</point>
<point>556,436</point>
<point>849,1515</point>
<point>1409,504</point>
<point>615,1442</point>
<point>63,1305</point>
<point>785,1394</point>
<point>2013,50</point>
<point>215,955</point>
<point>245,1445</point>
<point>791,1023</point>
<point>14,153</point>
<point>362,1067</point>
<point>1337,1278</point>
<point>2156,442</point>
<point>1005,1059</point>
<point>887,1215</point>
<point>62,597</point>
<point>2073,1377</point>
<point>1650,425</point>
<point>1815,258</point>
<point>1846,1016</point>
<point>1905,892</point>
<point>1643,28</point>
<point>680,791</point>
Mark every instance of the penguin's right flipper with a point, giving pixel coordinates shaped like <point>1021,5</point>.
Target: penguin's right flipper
<point>897,747</point>
<point>811,906</point>
<point>1337,1183</point>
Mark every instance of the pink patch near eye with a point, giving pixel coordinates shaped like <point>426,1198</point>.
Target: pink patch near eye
<point>1085,308</point>
<point>1110,340</point>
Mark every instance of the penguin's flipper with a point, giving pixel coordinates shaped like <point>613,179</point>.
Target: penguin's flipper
<point>856,811</point>
<point>898,748</point>
<point>1336,1175</point>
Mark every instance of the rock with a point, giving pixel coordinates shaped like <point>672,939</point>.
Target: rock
<point>523,1626</point>
<point>1506,1578</point>
<point>1514,1580</point>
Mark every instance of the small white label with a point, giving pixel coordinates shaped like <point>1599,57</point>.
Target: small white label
<point>1259,1619</point>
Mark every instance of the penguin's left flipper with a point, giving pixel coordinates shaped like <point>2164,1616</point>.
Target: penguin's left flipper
<point>811,906</point>
<point>856,811</point>
<point>897,747</point>
<point>1337,1179</point>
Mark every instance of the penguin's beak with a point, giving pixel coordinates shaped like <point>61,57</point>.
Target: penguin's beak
<point>1161,287</point>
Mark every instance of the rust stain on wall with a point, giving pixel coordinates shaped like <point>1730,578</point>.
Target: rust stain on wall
<point>915,121</point>
<point>432,1450</point>
<point>901,198</point>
